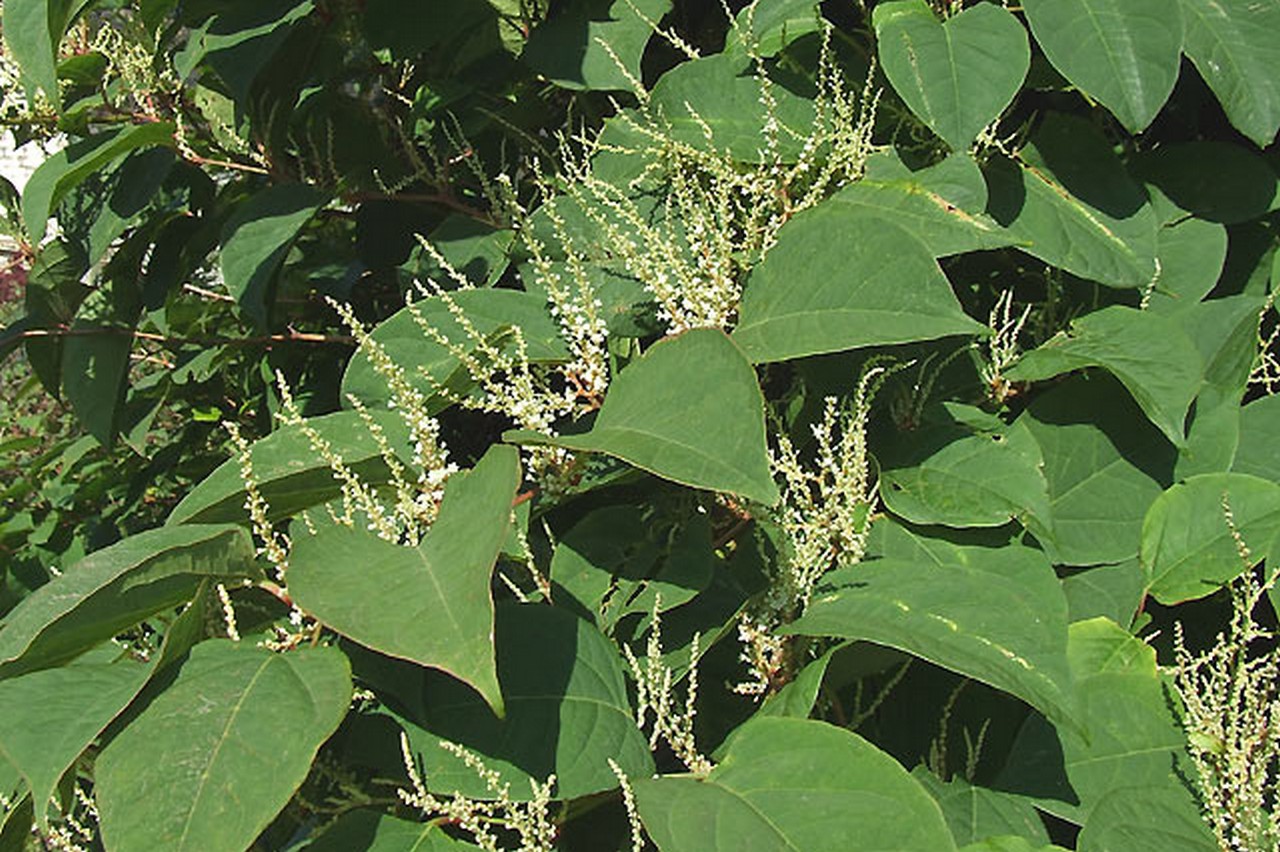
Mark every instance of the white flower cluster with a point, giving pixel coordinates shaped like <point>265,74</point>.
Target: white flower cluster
<point>715,217</point>
<point>655,694</point>
<point>1230,711</point>
<point>529,821</point>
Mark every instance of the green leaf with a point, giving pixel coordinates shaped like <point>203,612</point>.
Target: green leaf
<point>976,813</point>
<point>1070,202</point>
<point>117,587</point>
<point>32,31</point>
<point>290,473</point>
<point>796,785</point>
<point>994,614</point>
<point>239,40</point>
<point>51,716</point>
<point>370,831</point>
<point>714,439</point>
<point>1114,591</point>
<point>567,712</point>
<point>614,563</point>
<point>1233,46</point>
<point>1191,255</point>
<point>215,757</point>
<point>1150,354</point>
<point>1189,544</point>
<point>256,239</point>
<point>95,375</point>
<point>941,205</point>
<point>1133,737</point>
<point>722,93</point>
<point>1226,333</point>
<point>1146,819</point>
<point>570,48</point>
<point>58,174</point>
<point>958,75</point>
<point>429,604</point>
<point>865,282</point>
<point>1259,450</point>
<point>16,824</point>
<point>1215,181</point>
<point>1104,465</point>
<point>771,25</point>
<point>946,474</point>
<point>1124,53</point>
<point>429,364</point>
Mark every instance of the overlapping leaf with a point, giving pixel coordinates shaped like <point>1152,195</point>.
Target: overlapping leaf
<point>796,785</point>
<point>214,758</point>
<point>1124,53</point>
<point>429,604</point>
<point>994,614</point>
<point>866,282</point>
<point>714,439</point>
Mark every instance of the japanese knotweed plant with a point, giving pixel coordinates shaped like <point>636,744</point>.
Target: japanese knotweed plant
<point>1230,704</point>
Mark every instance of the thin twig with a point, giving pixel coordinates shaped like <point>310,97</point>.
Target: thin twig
<point>260,340</point>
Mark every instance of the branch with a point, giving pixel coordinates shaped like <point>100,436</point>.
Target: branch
<point>260,340</point>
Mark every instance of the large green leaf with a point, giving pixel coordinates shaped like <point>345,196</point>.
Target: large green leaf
<point>567,712</point>
<point>214,757</point>
<point>95,368</point>
<point>836,281</point>
<point>722,93</point>
<point>1150,354</point>
<point>1071,203</point>
<point>1124,53</point>
<point>33,31</point>
<point>1189,544</point>
<point>942,204</point>
<point>256,239</point>
<point>429,604</point>
<point>1114,591</point>
<point>67,168</point>
<point>594,44</point>
<point>1146,819</point>
<point>1133,736</point>
<point>51,716</point>
<point>1233,46</point>
<point>947,474</point>
<point>995,614</point>
<point>1259,450</point>
<point>117,587</point>
<point>794,785</point>
<point>290,473</point>
<point>958,75</point>
<point>1104,465</point>
<point>713,439</point>
<point>429,364</point>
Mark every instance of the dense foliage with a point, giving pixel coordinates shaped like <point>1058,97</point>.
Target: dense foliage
<point>624,425</point>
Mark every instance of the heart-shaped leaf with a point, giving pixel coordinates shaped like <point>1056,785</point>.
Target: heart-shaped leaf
<point>214,758</point>
<point>713,439</point>
<point>958,75</point>
<point>795,785</point>
<point>866,282</point>
<point>1124,53</point>
<point>429,604</point>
